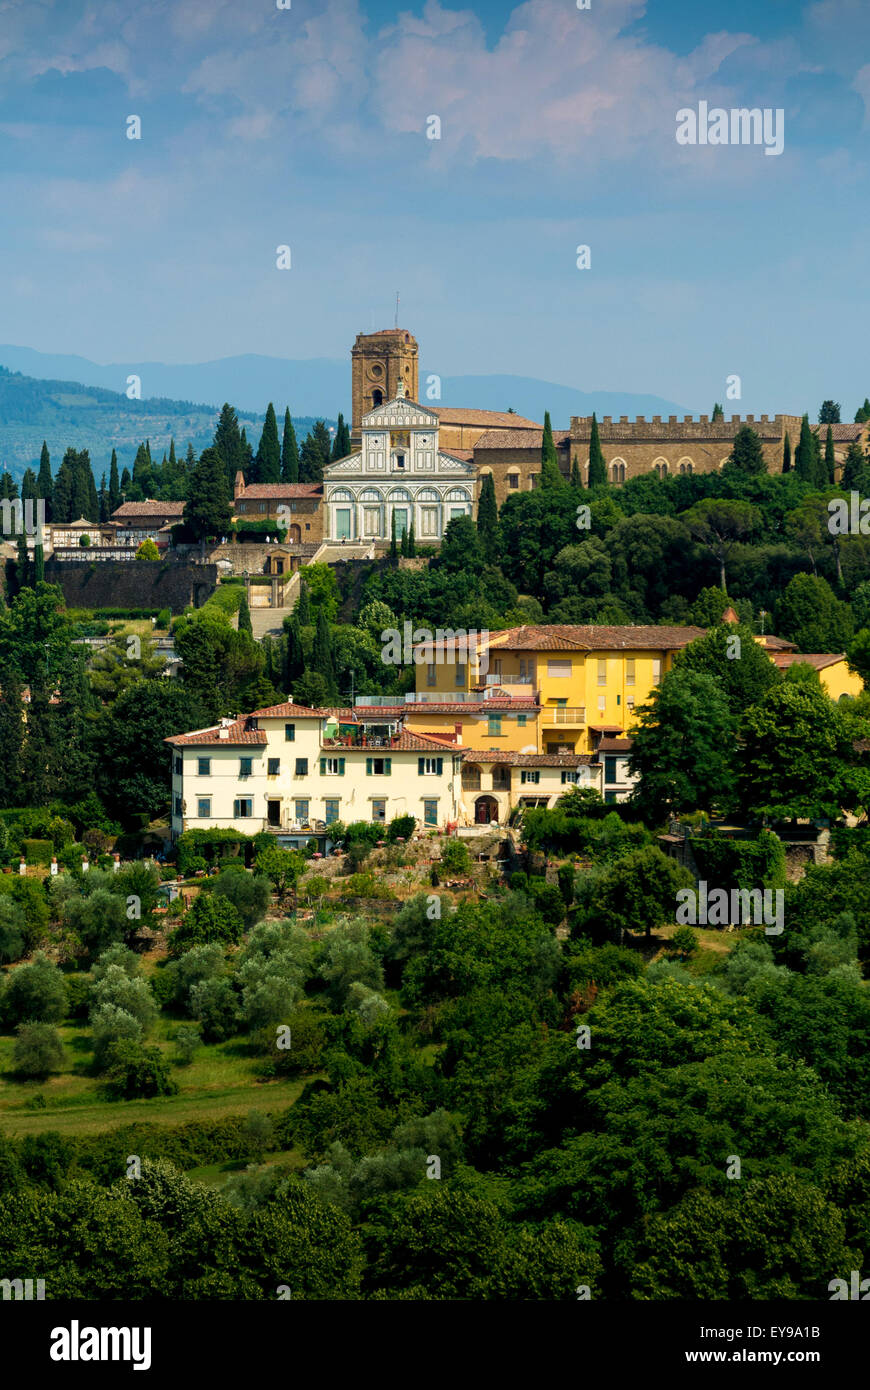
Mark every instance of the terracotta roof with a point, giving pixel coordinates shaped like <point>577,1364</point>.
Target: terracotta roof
<point>287,708</point>
<point>149,507</point>
<point>615,745</point>
<point>819,660</point>
<point>518,438</point>
<point>260,491</point>
<point>568,637</point>
<point>844,432</point>
<point>776,644</point>
<point>492,755</point>
<point>423,742</point>
<point>236,733</point>
<point>489,419</point>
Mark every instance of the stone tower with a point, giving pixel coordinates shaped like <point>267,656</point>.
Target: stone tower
<point>379,361</point>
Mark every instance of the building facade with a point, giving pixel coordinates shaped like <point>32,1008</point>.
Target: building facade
<point>399,472</point>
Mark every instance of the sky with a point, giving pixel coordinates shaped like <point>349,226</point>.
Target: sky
<point>308,127</point>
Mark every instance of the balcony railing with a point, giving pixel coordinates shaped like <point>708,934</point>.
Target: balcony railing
<point>563,714</point>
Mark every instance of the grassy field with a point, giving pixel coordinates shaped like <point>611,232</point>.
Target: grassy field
<point>222,1080</point>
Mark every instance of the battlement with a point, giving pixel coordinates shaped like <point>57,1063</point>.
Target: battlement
<point>689,428</point>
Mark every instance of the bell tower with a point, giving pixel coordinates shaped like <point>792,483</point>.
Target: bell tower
<point>379,361</point>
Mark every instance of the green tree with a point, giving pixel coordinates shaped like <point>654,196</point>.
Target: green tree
<point>35,993</point>
<point>207,511</point>
<point>809,614</point>
<point>322,660</point>
<point>856,472</point>
<point>341,443</point>
<point>315,453</point>
<point>551,477</point>
<point>683,744</point>
<point>210,918</point>
<point>830,457</point>
<point>487,519</point>
<point>268,459</point>
<point>134,773</point>
<point>245,616</point>
<point>38,1050</point>
<point>289,452</point>
<point>718,412</point>
<point>44,481</point>
<point>862,414</point>
<point>597,466</point>
<point>807,459</point>
<point>227,445</point>
<point>719,525</point>
<point>639,892</point>
<point>394,549</point>
<point>829,413</point>
<point>797,757</point>
<point>747,454</point>
<point>742,669</point>
<point>148,550</point>
<point>786,454</point>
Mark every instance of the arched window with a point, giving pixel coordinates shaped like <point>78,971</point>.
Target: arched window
<point>341,494</point>
<point>686,466</point>
<point>458,494</point>
<point>617,471</point>
<point>399,494</point>
<point>513,480</point>
<point>428,494</point>
<point>377,397</point>
<point>660,468</point>
<point>370,494</point>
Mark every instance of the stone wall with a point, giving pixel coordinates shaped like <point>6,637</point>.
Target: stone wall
<point>133,584</point>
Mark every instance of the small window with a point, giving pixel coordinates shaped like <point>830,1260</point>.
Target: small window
<point>431,676</point>
<point>332,808</point>
<point>430,812</point>
<point>430,767</point>
<point>203,767</point>
<point>602,670</point>
<point>245,765</point>
<point>301,809</point>
<point>301,767</point>
<point>610,798</point>
<point>530,774</point>
<point>569,777</point>
<point>379,811</point>
<point>378,767</point>
<point>178,810</point>
<point>629,672</point>
<point>602,703</point>
<point>559,670</point>
<point>179,767</point>
<point>289,733</point>
<point>203,807</point>
<point>332,767</point>
<point>657,669</point>
<point>513,480</point>
<point>273,767</point>
<point>459,677</point>
<point>494,726</point>
<point>521,721</point>
<point>243,807</point>
<point>610,773</point>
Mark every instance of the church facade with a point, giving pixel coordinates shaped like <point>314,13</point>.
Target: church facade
<point>399,472</point>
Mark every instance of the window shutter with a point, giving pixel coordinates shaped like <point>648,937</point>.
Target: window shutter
<point>368,767</point>
<point>235,809</point>
<point>388,763</point>
<point>420,766</point>
<point>439,765</point>
<point>341,767</point>
<point>322,766</point>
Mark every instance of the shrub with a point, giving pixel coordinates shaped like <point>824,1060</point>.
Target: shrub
<point>35,992</point>
<point>37,851</point>
<point>209,918</point>
<point>110,1025</point>
<point>401,828</point>
<point>134,1071</point>
<point>455,857</point>
<point>164,618</point>
<point>298,1050</point>
<point>188,1040</point>
<point>38,1050</point>
<point>684,941</point>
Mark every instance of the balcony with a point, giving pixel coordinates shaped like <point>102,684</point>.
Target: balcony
<point>563,714</point>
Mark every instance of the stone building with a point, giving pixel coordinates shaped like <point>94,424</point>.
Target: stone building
<point>297,505</point>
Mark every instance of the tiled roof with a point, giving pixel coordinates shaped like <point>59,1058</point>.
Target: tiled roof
<point>819,660</point>
<point>147,508</point>
<point>513,438</point>
<point>423,743</point>
<point>284,710</point>
<point>492,755</point>
<point>615,745</point>
<point>490,419</point>
<point>776,644</point>
<point>260,491</point>
<point>843,433</point>
<point>568,637</point>
<point>236,733</point>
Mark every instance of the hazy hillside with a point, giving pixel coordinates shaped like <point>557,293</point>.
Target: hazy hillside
<point>89,417</point>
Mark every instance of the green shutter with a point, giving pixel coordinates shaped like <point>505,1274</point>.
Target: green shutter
<point>368,767</point>
<point>235,809</point>
<point>439,765</point>
<point>420,768</point>
<point>341,767</point>
<point>388,763</point>
<point>322,766</point>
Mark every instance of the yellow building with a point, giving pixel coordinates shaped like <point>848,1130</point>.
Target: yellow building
<point>587,681</point>
<point>834,674</point>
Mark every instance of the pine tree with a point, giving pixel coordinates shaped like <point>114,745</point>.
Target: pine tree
<point>228,444</point>
<point>114,485</point>
<point>786,454</point>
<point>394,549</point>
<point>303,606</point>
<point>289,452</point>
<point>487,518</point>
<point>830,457</point>
<point>207,511</point>
<point>597,466</point>
<point>829,413</point>
<point>550,475</point>
<point>856,468</point>
<point>576,475</point>
<point>747,453</point>
<point>862,414</point>
<point>245,617</point>
<point>268,460</point>
<point>341,443</point>
<point>44,481</point>
<point>322,659</point>
<point>718,412</point>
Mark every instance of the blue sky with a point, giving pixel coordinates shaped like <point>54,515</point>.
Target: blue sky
<point>307,127</point>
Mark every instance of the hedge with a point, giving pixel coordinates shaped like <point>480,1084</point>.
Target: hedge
<point>37,851</point>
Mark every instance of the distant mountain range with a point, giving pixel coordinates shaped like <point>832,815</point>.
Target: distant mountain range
<point>69,400</point>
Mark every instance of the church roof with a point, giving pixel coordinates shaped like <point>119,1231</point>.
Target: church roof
<point>489,419</point>
<point>519,438</point>
<point>261,491</point>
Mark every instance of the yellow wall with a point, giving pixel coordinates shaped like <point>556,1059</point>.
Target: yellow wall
<point>514,735</point>
<point>838,680</point>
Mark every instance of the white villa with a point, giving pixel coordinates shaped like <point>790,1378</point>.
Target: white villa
<point>399,472</point>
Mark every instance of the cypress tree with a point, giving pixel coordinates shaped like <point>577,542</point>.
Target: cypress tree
<point>487,518</point>
<point>294,658</point>
<point>786,454</point>
<point>341,443</point>
<point>550,475</point>
<point>114,485</point>
<point>289,452</point>
<point>576,475</point>
<point>394,550</point>
<point>62,492</point>
<point>245,617</point>
<point>315,454</point>
<point>23,577</point>
<point>248,462</point>
<point>829,414</point>
<point>38,564</point>
<point>103,496</point>
<point>93,512</point>
<point>747,454</point>
<point>207,511</point>
<point>29,486</point>
<point>403,543</point>
<point>322,659</point>
<point>805,455</point>
<point>412,541</point>
<point>855,468</point>
<point>126,484</point>
<point>44,481</point>
<point>303,606</point>
<point>11,738</point>
<point>228,444</point>
<point>597,466</point>
<point>830,458</point>
<point>268,460</point>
